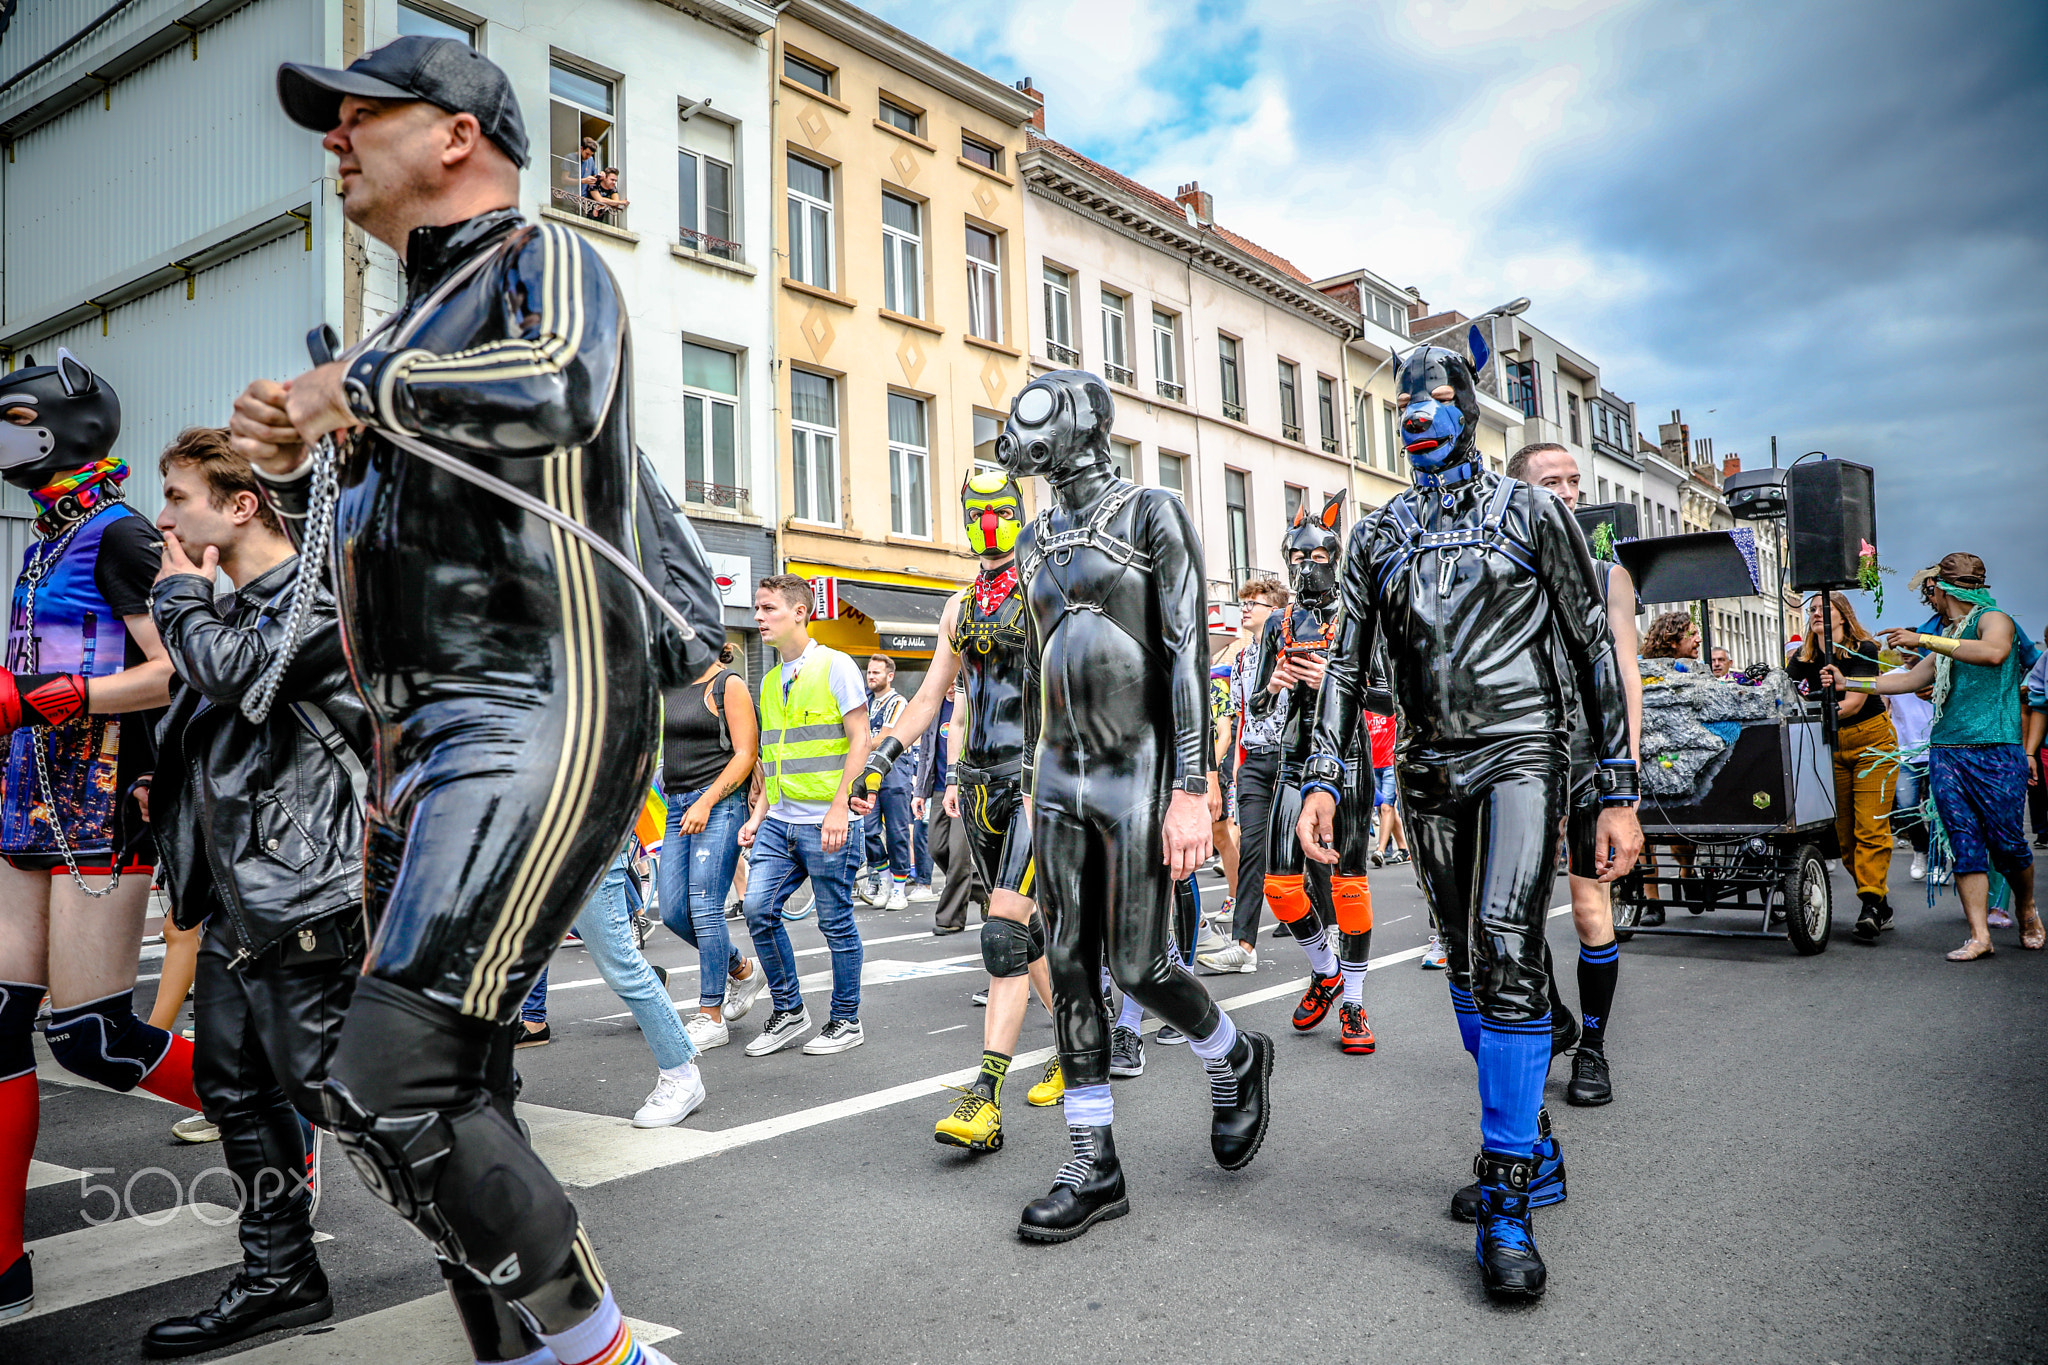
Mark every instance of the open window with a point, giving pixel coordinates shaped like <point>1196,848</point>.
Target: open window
<point>583,142</point>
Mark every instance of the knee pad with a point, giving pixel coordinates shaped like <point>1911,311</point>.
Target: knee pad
<point>103,1041</point>
<point>1007,948</point>
<point>1354,904</point>
<point>1288,896</point>
<point>19,1001</point>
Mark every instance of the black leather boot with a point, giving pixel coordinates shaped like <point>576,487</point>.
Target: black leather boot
<point>18,1287</point>
<point>1239,1095</point>
<point>1564,1031</point>
<point>249,1305</point>
<point>1546,1186</point>
<point>1506,1245</point>
<point>1087,1190</point>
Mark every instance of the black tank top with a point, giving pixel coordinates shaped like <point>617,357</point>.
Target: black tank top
<point>695,743</point>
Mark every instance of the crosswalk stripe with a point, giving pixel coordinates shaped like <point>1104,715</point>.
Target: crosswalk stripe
<point>41,1173</point>
<point>865,944</point>
<point>128,1254</point>
<point>421,1332</point>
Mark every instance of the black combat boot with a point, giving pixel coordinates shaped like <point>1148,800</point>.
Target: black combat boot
<point>249,1305</point>
<point>1087,1190</point>
<point>1239,1092</point>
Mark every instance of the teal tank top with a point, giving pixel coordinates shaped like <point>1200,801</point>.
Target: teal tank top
<point>1983,705</point>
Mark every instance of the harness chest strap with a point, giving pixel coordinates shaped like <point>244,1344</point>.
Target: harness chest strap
<point>1092,534</point>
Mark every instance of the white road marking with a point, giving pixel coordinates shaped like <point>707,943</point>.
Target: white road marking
<point>947,1029</point>
<point>422,1332</point>
<point>48,1070</point>
<point>41,1173</point>
<point>874,971</point>
<point>128,1254</point>
<point>595,1149</point>
<point>865,943</point>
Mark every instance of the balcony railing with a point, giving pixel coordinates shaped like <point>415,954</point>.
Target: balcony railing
<point>568,196</point>
<point>1064,355</point>
<point>1288,433</point>
<point>1329,445</point>
<point>1234,411</point>
<point>711,246</point>
<point>730,497</point>
<point>1117,374</point>
<point>1168,389</point>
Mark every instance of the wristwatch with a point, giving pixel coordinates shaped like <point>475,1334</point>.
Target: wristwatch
<point>1195,786</point>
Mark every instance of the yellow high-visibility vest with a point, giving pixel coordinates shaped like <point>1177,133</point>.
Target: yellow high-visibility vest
<point>803,739</point>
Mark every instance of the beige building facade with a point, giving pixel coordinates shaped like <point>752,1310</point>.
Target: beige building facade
<point>900,314</point>
<point>1227,365</point>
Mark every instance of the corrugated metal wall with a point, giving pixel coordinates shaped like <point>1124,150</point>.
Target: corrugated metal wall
<point>39,25</point>
<point>177,364</point>
<point>187,146</point>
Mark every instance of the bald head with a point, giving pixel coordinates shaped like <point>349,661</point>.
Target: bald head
<point>404,164</point>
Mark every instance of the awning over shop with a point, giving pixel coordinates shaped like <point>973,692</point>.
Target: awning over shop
<point>885,617</point>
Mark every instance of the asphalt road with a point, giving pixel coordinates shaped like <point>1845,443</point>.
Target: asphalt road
<point>1827,1159</point>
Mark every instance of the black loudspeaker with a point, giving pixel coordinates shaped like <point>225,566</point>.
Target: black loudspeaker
<point>1621,516</point>
<point>1830,510</point>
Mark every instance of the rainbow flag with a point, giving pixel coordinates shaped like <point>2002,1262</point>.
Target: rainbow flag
<point>653,821</point>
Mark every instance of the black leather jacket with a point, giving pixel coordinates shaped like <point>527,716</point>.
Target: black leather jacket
<point>1484,641</point>
<point>261,825</point>
<point>523,359</point>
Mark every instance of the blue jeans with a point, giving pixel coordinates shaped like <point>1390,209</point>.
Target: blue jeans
<point>888,831</point>
<point>921,849</point>
<point>606,925</point>
<point>696,874</point>
<point>535,1009</point>
<point>1906,798</point>
<point>783,855</point>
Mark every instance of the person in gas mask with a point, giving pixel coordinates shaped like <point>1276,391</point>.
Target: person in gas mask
<point>1293,655</point>
<point>1486,595</point>
<point>1116,762</point>
<point>84,670</point>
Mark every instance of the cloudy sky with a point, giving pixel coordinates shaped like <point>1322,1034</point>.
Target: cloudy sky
<point>1823,222</point>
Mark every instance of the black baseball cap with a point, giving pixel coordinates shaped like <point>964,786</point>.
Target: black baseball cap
<point>441,71</point>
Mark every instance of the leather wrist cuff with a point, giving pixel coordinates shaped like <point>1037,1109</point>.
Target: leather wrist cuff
<point>1324,770</point>
<point>1321,786</point>
<point>1617,781</point>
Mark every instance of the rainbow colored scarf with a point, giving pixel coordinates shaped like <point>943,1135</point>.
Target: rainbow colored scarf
<point>82,486</point>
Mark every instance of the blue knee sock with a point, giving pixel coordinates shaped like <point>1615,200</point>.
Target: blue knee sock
<point>1468,1017</point>
<point>1514,1059</point>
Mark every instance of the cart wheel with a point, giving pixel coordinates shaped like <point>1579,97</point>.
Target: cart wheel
<point>1808,902</point>
<point>1628,913</point>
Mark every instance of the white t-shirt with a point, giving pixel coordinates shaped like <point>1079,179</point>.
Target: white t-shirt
<point>850,691</point>
<point>1911,717</point>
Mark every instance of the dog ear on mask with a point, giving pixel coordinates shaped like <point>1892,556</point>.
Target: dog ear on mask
<point>1331,511</point>
<point>73,374</point>
<point>1300,515</point>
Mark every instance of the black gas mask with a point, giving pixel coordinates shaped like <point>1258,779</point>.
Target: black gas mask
<point>1059,427</point>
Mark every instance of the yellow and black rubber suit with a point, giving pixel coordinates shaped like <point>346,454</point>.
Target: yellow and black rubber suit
<point>991,649</point>
<point>1117,677</point>
<point>507,675</point>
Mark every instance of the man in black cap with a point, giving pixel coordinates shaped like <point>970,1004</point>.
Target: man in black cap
<point>504,666</point>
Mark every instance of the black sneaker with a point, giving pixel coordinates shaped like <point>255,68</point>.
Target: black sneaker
<point>1169,1036</point>
<point>784,1028</point>
<point>17,1287</point>
<point>980,997</point>
<point>1870,920</point>
<point>1126,1053</point>
<point>1590,1084</point>
<point>534,1037</point>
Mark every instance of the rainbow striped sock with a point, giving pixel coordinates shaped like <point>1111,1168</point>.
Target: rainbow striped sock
<point>603,1338</point>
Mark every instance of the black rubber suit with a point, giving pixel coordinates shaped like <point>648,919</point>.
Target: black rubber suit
<point>1485,592</point>
<point>1116,719</point>
<point>506,670</point>
<point>1305,895</point>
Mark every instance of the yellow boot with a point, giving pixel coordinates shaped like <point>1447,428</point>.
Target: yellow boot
<point>1050,1090</point>
<point>975,1124</point>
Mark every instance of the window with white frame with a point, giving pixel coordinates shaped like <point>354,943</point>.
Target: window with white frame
<point>1390,437</point>
<point>902,256</point>
<point>1290,401</point>
<point>814,446</point>
<point>810,223</point>
<point>910,458</point>
<point>711,446</point>
<point>1123,458</point>
<point>984,285</point>
<point>1326,410</point>
<point>704,188</point>
<point>1059,317</point>
<point>582,140</point>
<point>417,21</point>
<point>1296,496</point>
<point>1233,390</point>
<point>1116,338</point>
<point>1238,524</point>
<point>811,75</point>
<point>1166,354</point>
<point>1173,473</point>
<point>987,427</point>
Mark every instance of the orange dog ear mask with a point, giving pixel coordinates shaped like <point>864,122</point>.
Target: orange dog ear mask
<point>992,507</point>
<point>1313,583</point>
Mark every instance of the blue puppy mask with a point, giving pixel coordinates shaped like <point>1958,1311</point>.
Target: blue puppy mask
<point>1437,429</point>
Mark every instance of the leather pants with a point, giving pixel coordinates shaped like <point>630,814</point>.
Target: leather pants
<point>264,1035</point>
<point>1483,821</point>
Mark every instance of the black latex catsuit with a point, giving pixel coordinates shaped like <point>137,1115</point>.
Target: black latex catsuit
<point>506,671</point>
<point>1116,632</point>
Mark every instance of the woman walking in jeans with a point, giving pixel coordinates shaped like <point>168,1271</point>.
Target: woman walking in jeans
<point>709,741</point>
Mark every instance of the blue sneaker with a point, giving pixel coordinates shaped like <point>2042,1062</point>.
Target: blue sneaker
<point>1546,1186</point>
<point>1505,1245</point>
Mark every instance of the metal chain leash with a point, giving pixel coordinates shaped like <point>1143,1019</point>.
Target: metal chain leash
<point>323,494</point>
<point>39,735</point>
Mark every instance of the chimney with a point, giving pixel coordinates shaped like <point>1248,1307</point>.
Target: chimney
<point>1731,465</point>
<point>1191,196</point>
<point>1416,307</point>
<point>1037,119</point>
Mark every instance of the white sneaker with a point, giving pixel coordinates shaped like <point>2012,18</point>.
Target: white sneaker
<point>675,1097</point>
<point>837,1036</point>
<point>783,1028</point>
<point>897,899</point>
<point>1433,958</point>
<point>1919,867</point>
<point>921,892</point>
<point>742,992</point>
<point>1230,958</point>
<point>707,1032</point>
<point>195,1128</point>
<point>1208,941</point>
